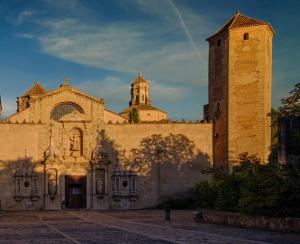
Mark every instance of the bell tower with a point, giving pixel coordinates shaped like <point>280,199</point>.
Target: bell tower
<point>140,91</point>
<point>240,78</point>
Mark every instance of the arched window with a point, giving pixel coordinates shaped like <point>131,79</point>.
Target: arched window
<point>63,109</point>
<point>246,36</point>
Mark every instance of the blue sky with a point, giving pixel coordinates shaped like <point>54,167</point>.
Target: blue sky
<point>100,46</point>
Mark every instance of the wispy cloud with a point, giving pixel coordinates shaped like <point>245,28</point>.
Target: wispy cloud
<point>116,92</point>
<point>24,15</point>
<point>8,105</point>
<point>156,47</point>
<point>186,30</point>
<point>25,35</point>
<point>123,46</point>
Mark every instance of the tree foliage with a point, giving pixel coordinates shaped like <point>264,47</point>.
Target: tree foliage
<point>253,188</point>
<point>291,104</point>
<point>134,116</point>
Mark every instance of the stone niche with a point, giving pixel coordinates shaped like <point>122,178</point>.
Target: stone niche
<point>26,185</point>
<point>52,183</point>
<point>124,188</point>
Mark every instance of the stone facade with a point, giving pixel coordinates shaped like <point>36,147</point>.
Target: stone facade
<point>240,77</point>
<point>65,150</point>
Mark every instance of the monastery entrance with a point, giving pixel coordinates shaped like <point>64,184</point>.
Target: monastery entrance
<point>75,191</point>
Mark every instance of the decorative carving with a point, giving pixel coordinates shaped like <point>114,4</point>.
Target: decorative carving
<point>75,142</point>
<point>124,185</point>
<point>26,184</point>
<point>52,182</point>
<point>100,181</point>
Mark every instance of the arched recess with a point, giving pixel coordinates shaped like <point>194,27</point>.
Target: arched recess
<point>76,142</point>
<point>64,108</point>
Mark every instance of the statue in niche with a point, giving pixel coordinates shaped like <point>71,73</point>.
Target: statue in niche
<point>52,182</point>
<point>100,181</point>
<point>74,144</point>
<point>99,187</point>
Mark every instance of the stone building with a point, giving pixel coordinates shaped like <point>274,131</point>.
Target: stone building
<point>240,78</point>
<point>140,100</point>
<point>64,149</point>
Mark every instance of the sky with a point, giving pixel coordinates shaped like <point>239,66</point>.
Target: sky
<point>100,46</point>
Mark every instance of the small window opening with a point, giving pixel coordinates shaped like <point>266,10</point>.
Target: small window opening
<point>219,43</point>
<point>246,36</point>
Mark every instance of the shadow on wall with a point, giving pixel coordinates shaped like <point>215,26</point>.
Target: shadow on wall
<point>21,184</point>
<point>165,165</point>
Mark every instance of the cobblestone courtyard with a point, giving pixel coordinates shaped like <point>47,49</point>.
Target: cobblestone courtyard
<point>142,226</point>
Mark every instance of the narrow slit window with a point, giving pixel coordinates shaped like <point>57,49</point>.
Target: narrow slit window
<point>246,36</point>
<point>219,43</point>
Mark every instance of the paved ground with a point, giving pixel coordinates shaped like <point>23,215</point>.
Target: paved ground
<point>142,226</point>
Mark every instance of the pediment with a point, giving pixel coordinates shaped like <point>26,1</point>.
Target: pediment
<point>75,116</point>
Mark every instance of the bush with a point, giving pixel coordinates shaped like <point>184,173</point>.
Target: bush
<point>253,188</point>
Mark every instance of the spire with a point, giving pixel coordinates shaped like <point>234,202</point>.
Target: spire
<point>140,91</point>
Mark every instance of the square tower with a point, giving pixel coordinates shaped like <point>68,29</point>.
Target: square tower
<point>240,77</point>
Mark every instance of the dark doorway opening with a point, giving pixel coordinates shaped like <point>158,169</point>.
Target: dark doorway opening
<point>75,191</point>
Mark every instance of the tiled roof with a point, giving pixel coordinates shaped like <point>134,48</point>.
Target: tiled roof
<point>243,21</point>
<point>141,107</point>
<point>36,89</point>
<point>238,21</point>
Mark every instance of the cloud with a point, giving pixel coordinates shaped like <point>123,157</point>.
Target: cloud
<point>163,47</point>
<point>124,46</point>
<point>25,36</point>
<point>116,92</point>
<point>24,15</point>
<point>8,105</point>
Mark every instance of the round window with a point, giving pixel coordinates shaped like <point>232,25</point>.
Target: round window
<point>63,109</point>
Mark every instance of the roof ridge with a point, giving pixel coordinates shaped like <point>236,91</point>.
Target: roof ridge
<point>36,89</point>
<point>247,17</point>
<point>240,20</point>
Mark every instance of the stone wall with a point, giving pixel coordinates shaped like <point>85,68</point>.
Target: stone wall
<point>255,222</point>
<point>21,148</point>
<point>240,76</point>
<point>218,97</point>
<point>249,100</point>
<point>111,117</point>
<point>169,157</point>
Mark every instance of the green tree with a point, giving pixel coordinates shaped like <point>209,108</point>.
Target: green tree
<point>291,104</point>
<point>134,116</point>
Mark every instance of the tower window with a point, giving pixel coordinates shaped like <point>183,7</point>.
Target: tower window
<point>219,43</point>
<point>246,36</point>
